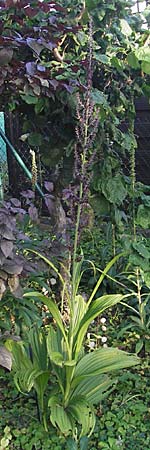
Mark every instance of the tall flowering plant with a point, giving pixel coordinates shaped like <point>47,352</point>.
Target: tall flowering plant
<point>79,379</point>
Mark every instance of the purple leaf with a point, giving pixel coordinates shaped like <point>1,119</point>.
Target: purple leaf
<point>52,20</point>
<point>6,247</point>
<point>33,213</point>
<point>67,194</point>
<point>6,233</point>
<point>30,68</point>
<point>12,268</point>
<point>6,205</point>
<point>5,358</point>
<point>2,258</point>
<point>40,68</point>
<point>23,237</point>
<point>49,203</point>
<point>49,45</point>
<point>5,56</point>
<point>20,217</point>
<point>14,286</point>
<point>68,88</point>
<point>17,210</point>
<point>15,202</point>
<point>35,45</point>
<point>2,287</point>
<point>54,83</point>
<point>49,186</point>
<point>28,194</point>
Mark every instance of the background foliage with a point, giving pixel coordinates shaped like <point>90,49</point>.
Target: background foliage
<point>44,62</point>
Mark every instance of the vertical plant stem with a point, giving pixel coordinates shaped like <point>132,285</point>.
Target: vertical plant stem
<point>132,170</point>
<point>113,239</point>
<point>133,180</point>
<point>139,295</point>
<point>79,208</point>
<point>40,177</point>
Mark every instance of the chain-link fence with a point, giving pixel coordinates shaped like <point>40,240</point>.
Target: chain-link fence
<point>142,134</point>
<point>18,180</point>
<point>16,177</point>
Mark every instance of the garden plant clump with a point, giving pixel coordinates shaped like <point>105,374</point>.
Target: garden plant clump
<point>74,309</point>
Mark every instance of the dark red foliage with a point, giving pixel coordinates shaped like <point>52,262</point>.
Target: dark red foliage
<point>32,44</point>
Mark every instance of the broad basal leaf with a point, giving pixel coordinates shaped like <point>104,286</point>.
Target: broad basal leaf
<point>79,310</point>
<point>52,308</point>
<point>59,418</point>
<point>83,415</point>
<point>94,389</point>
<point>104,360</point>
<point>38,345</point>
<point>96,308</point>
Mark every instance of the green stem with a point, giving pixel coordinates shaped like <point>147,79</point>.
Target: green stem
<point>41,408</point>
<point>113,239</point>
<point>69,376</point>
<point>133,180</point>
<point>76,239</point>
<point>139,295</point>
<point>80,194</point>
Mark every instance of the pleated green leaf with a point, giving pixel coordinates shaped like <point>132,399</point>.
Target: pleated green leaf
<point>59,418</point>
<point>77,275</point>
<point>104,360</point>
<point>26,379</point>
<point>38,345</point>
<point>57,358</point>
<point>83,415</point>
<point>29,374</point>
<point>94,389</point>
<point>54,347</point>
<point>79,310</point>
<point>56,351</point>
<point>96,308</point>
<point>54,340</point>
<point>53,309</point>
<point>53,400</point>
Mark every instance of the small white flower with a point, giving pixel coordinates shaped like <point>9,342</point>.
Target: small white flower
<point>91,344</point>
<point>104,339</point>
<point>105,345</point>
<point>104,328</point>
<point>88,335</point>
<point>103,320</point>
<point>53,281</point>
<point>119,441</point>
<point>44,290</point>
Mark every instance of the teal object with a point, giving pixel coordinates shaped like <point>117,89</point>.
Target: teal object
<point>3,154</point>
<point>3,158</point>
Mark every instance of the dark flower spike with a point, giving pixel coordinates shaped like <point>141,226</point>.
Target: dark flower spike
<point>76,196</point>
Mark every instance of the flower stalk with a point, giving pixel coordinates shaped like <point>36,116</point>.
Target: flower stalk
<point>88,119</point>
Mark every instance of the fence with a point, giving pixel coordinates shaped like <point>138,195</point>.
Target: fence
<point>14,177</point>
<point>15,158</point>
<point>142,133</point>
